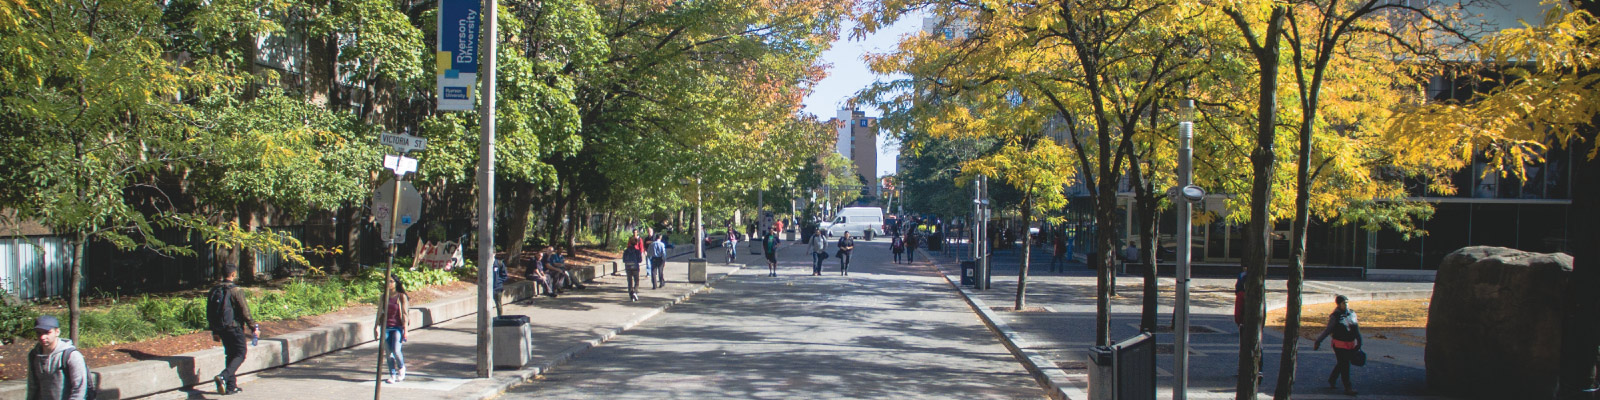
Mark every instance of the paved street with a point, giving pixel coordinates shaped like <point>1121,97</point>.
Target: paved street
<point>885,331</point>
<point>1065,332</point>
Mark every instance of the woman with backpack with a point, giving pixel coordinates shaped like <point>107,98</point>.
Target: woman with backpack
<point>394,329</point>
<point>1346,332</point>
<point>898,245</point>
<point>632,256</point>
<point>819,252</point>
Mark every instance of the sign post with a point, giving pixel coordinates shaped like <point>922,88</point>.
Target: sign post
<point>396,205</point>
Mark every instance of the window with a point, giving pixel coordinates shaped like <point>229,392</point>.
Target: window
<point>863,122</point>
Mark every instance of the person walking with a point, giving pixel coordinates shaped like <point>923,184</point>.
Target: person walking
<point>56,370</point>
<point>394,329</point>
<point>227,315</point>
<point>499,282</point>
<point>658,262</point>
<point>732,243</point>
<point>819,252</point>
<point>1058,261</point>
<point>898,246</point>
<point>846,245</point>
<point>632,256</point>
<point>1346,332</point>
<point>769,245</point>
<point>911,245</point>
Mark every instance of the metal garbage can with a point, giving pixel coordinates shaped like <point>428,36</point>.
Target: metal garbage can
<point>969,273</point>
<point>513,341</point>
<point>697,270</point>
<point>1124,371</point>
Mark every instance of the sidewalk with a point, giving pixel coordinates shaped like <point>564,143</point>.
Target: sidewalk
<point>1053,343</point>
<point>441,359</point>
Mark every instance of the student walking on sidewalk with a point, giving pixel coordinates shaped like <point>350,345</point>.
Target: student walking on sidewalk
<point>911,245</point>
<point>632,256</point>
<point>394,329</point>
<point>769,245</point>
<point>898,245</point>
<point>1346,332</point>
<point>819,251</point>
<point>846,245</point>
<point>658,262</point>
<point>228,315</point>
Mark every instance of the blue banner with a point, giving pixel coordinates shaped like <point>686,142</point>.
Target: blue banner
<point>456,61</point>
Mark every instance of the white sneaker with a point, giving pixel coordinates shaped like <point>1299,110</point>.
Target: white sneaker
<point>402,374</point>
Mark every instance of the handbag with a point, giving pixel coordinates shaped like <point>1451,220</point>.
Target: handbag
<point>1359,359</point>
<point>839,254</point>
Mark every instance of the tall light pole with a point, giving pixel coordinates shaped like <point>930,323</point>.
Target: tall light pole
<point>486,192</point>
<point>1184,196</point>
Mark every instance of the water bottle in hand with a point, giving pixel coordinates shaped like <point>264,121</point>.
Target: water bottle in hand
<point>255,335</point>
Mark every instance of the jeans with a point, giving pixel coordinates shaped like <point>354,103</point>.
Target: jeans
<point>235,344</point>
<point>633,279</point>
<point>844,261</point>
<point>392,337</point>
<point>497,308</point>
<point>816,263</point>
<point>897,256</point>
<point>658,272</point>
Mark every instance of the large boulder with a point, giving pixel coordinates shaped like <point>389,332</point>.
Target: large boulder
<point>1494,324</point>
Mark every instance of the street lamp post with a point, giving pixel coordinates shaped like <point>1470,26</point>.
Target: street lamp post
<point>1185,195</point>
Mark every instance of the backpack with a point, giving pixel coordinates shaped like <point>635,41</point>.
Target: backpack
<point>632,256</point>
<point>219,308</point>
<point>92,387</point>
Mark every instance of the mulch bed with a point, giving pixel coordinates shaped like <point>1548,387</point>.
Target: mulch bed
<point>13,356</point>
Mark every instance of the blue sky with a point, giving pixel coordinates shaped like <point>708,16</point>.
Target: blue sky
<point>849,74</point>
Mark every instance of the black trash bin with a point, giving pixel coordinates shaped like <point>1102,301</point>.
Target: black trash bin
<point>969,273</point>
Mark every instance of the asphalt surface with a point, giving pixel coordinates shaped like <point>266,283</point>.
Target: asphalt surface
<point>886,331</point>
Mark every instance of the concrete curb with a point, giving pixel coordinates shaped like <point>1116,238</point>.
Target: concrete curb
<point>171,373</point>
<point>528,373</point>
<point>1056,383</point>
<point>1040,367</point>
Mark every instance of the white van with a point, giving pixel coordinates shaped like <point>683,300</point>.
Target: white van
<point>864,222</point>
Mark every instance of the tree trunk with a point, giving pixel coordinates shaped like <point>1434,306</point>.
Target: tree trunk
<point>1264,165</point>
<point>349,237</point>
<point>572,224</point>
<point>553,218</point>
<point>1027,250</point>
<point>74,283</point>
<point>1104,238</point>
<point>1297,269</point>
<point>321,75</point>
<point>1146,202</point>
<point>520,197</point>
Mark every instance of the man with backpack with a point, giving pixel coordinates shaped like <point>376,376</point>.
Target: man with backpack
<point>56,370</point>
<point>227,314</point>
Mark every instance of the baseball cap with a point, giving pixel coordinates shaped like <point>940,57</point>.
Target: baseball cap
<point>47,322</point>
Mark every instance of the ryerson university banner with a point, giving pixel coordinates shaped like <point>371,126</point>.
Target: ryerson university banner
<point>457,58</point>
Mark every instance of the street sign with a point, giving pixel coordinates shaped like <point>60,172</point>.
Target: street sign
<point>383,203</point>
<point>456,61</point>
<point>400,164</point>
<point>403,143</point>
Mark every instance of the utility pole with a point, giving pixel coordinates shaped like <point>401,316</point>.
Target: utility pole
<point>1185,195</point>
<point>486,191</point>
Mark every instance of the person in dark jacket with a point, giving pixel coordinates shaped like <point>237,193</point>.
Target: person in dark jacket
<point>1346,332</point>
<point>846,246</point>
<point>231,332</point>
<point>56,370</point>
<point>500,277</point>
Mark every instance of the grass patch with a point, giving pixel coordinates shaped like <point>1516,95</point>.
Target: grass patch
<point>156,317</point>
<point>1376,315</point>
